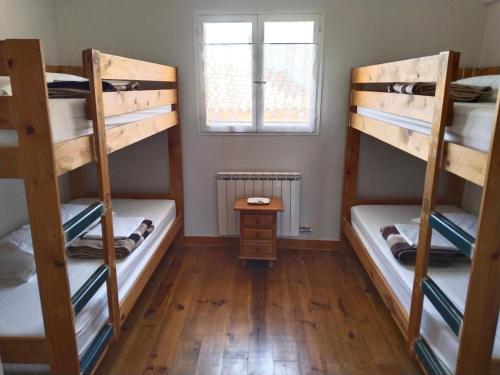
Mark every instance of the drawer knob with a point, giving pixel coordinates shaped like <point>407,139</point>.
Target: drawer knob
<point>257,221</point>
<point>257,235</point>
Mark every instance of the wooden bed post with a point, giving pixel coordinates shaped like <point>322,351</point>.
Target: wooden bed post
<point>175,162</point>
<point>351,162</point>
<point>447,67</point>
<point>27,72</point>
<point>92,68</point>
<point>483,297</point>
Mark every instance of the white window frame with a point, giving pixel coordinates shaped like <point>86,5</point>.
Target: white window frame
<point>258,20</point>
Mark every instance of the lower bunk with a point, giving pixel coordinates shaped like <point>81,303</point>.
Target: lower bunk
<point>394,280</point>
<point>21,324</point>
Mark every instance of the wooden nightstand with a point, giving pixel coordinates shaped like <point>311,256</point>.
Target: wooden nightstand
<point>258,230</point>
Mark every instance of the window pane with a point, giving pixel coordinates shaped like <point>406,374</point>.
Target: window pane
<point>289,73</point>
<point>227,32</point>
<point>228,84</point>
<point>289,32</point>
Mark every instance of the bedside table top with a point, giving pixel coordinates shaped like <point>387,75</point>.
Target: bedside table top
<point>241,204</point>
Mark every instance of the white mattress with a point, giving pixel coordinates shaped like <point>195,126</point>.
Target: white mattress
<point>472,123</point>
<point>367,221</point>
<point>68,120</point>
<point>20,309</point>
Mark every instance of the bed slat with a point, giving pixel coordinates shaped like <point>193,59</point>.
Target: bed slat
<point>117,103</point>
<point>3,60</point>
<point>74,227</point>
<point>24,349</point>
<point>77,152</point>
<point>6,113</point>
<point>428,358</point>
<point>424,69</point>
<point>89,288</point>
<point>453,233</point>
<point>94,352</point>
<point>452,316</point>
<point>414,106</point>
<point>465,162</point>
<point>122,68</point>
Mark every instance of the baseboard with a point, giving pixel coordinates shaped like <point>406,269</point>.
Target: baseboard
<point>283,243</point>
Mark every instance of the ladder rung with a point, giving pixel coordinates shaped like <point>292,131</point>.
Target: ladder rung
<point>80,222</point>
<point>92,354</point>
<point>453,233</point>
<point>87,291</point>
<point>427,357</point>
<point>442,303</point>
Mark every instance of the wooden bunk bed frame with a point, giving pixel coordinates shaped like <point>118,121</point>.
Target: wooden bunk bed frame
<point>477,328</point>
<point>39,161</point>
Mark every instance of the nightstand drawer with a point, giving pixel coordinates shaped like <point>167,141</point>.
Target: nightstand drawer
<point>257,220</point>
<point>256,249</point>
<point>257,234</point>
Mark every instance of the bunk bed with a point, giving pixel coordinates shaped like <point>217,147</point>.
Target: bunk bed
<point>67,315</point>
<point>448,315</point>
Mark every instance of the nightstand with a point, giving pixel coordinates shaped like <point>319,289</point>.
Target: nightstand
<point>258,230</point>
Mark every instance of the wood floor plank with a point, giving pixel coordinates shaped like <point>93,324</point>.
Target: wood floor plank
<point>315,313</point>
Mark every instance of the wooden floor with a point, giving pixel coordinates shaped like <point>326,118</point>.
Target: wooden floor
<point>315,313</point>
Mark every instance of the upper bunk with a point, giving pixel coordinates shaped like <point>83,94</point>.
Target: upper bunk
<point>405,120</point>
<point>130,116</point>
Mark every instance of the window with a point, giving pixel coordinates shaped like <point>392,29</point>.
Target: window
<point>259,73</point>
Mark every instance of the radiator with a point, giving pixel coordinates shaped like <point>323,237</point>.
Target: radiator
<point>231,185</point>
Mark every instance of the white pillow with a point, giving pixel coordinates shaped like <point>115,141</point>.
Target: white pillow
<point>492,80</point>
<point>15,266</point>
<point>6,88</point>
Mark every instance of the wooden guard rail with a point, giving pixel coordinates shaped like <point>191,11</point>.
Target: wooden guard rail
<point>424,69</point>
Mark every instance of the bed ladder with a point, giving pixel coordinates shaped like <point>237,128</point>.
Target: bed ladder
<point>476,326</point>
<point>72,229</point>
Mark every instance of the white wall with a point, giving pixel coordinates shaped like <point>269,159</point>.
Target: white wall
<point>357,32</point>
<point>490,49</point>
<point>24,19</point>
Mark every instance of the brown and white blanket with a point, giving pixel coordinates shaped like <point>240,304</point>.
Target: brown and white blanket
<point>89,248</point>
<point>406,253</point>
<point>458,92</point>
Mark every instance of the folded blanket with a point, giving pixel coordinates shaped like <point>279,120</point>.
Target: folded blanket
<point>458,92</point>
<point>122,227</point>
<point>407,253</point>
<point>94,248</point>
<point>80,89</point>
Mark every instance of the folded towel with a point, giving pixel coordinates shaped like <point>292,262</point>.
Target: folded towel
<point>407,253</point>
<point>410,234</point>
<point>122,227</point>
<point>458,92</point>
<point>94,248</point>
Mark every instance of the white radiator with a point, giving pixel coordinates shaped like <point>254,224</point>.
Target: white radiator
<point>231,185</point>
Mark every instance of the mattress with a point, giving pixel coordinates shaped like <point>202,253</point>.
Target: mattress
<point>472,123</point>
<point>68,120</point>
<point>20,308</point>
<point>367,221</point>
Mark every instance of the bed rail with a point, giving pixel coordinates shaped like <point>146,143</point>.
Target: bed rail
<point>415,106</point>
<point>74,227</point>
<point>122,68</point>
<point>423,69</point>
<point>89,288</point>
<point>3,59</point>
<point>450,313</point>
<point>427,358</point>
<point>96,349</point>
<point>117,103</point>
<point>453,233</point>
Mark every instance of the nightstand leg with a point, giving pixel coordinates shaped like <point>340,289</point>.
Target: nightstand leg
<point>243,262</point>
<point>270,264</point>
